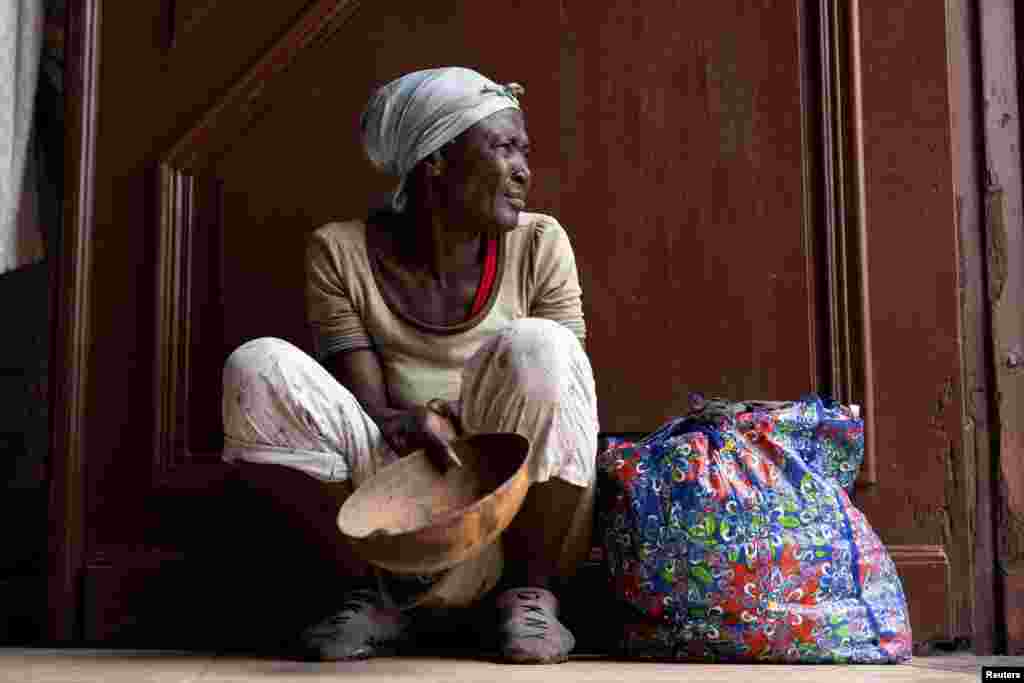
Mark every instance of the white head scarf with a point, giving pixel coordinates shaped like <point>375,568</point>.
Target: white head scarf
<point>417,114</point>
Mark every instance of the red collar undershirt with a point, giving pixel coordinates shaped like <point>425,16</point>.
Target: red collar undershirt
<point>483,292</point>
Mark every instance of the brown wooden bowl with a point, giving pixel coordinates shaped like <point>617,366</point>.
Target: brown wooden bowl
<point>409,518</point>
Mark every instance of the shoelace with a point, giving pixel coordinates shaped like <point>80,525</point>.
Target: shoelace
<point>541,625</point>
<point>354,602</point>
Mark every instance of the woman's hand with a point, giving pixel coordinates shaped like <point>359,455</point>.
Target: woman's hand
<point>430,428</point>
<point>421,427</point>
<point>449,409</point>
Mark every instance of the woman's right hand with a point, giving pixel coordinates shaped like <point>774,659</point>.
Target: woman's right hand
<point>420,428</point>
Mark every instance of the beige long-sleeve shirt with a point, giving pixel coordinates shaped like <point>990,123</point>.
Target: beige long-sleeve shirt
<point>536,277</point>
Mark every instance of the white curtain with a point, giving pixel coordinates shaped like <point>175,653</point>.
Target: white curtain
<point>21,38</point>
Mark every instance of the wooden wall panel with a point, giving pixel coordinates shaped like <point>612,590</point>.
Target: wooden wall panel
<point>690,205</point>
<point>674,153</point>
<point>924,572</point>
<point>150,98</point>
<point>284,148</point>
<point>686,186</point>
<point>912,270</point>
<point>675,161</point>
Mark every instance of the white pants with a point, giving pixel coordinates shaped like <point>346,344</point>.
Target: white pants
<point>282,407</point>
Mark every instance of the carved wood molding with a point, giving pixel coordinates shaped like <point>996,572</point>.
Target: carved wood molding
<point>841,211</point>
<point>857,238</point>
<point>70,342</point>
<point>182,170</point>
<point>925,573</point>
<point>908,555</point>
<point>172,334</point>
<point>228,119</point>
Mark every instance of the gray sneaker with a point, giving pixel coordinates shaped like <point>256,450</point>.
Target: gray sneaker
<point>529,630</point>
<point>367,625</point>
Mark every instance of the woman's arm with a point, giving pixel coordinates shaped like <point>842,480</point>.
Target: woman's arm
<point>348,354</point>
<point>360,372</point>
<point>557,294</point>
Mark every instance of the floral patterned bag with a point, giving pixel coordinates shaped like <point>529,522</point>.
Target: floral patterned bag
<point>731,533</point>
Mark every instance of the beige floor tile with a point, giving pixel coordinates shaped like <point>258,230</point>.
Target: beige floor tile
<point>101,666</point>
<point>429,670</point>
<point>88,666</point>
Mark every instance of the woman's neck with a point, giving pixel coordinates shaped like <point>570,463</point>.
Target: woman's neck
<point>427,241</point>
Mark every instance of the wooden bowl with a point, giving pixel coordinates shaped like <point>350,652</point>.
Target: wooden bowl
<point>409,518</point>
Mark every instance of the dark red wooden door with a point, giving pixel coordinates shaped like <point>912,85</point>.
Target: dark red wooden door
<point>670,149</point>
<point>682,149</point>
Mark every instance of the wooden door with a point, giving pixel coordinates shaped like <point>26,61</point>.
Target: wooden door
<point>696,159</point>
<point>677,163</point>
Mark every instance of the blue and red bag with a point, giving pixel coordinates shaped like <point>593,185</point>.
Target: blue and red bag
<point>731,533</point>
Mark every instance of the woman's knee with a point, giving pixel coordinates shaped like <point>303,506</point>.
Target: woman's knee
<point>260,370</point>
<point>542,357</point>
<point>255,354</point>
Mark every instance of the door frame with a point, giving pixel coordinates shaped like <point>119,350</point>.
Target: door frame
<point>70,343</point>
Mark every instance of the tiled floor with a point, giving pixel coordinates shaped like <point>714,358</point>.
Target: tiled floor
<point>121,666</point>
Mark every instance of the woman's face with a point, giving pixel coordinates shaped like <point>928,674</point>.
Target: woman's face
<point>486,176</point>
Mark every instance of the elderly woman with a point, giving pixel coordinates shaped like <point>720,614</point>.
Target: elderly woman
<point>452,311</point>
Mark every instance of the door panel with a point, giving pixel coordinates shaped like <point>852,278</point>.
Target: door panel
<point>674,161</point>
<point>688,213</point>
